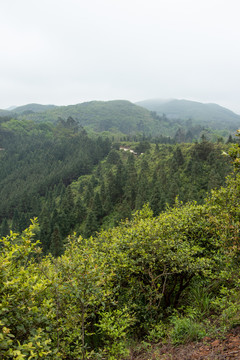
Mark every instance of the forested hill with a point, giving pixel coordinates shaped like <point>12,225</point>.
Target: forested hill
<point>37,159</point>
<point>116,116</point>
<point>74,182</point>
<point>209,115</point>
<point>32,108</point>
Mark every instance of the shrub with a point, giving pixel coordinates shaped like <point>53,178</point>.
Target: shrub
<point>185,330</point>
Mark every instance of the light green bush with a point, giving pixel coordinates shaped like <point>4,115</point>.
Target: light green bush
<point>185,330</point>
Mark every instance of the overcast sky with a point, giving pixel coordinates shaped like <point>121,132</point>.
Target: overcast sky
<point>69,51</point>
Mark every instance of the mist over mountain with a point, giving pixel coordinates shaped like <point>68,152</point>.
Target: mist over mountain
<point>211,115</point>
<point>5,112</point>
<point>32,108</point>
<point>10,108</point>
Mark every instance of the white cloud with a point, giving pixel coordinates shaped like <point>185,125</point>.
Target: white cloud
<point>69,51</point>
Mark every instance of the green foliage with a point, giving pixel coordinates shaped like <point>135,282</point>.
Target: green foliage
<point>114,326</point>
<point>155,259</point>
<point>201,298</point>
<point>130,281</point>
<point>185,330</point>
<point>157,332</point>
<point>22,293</point>
<point>54,173</point>
<point>126,182</point>
<point>48,308</point>
<point>38,162</point>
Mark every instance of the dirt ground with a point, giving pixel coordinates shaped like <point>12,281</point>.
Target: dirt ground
<point>208,349</point>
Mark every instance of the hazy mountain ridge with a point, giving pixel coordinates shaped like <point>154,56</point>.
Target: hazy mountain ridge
<point>33,108</point>
<point>151,117</point>
<point>209,114</point>
<point>25,109</point>
<point>115,115</point>
<point>5,112</point>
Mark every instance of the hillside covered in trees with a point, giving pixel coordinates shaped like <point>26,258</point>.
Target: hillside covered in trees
<point>112,242</point>
<point>208,115</point>
<point>74,182</point>
<point>171,277</point>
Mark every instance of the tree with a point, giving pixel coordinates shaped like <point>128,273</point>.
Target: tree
<point>130,188</point>
<point>80,211</point>
<point>97,206</point>
<point>142,147</point>
<point>4,228</point>
<point>16,221</point>
<point>45,229</point>
<point>67,213</point>
<point>56,245</point>
<point>91,224</point>
<point>178,156</point>
<point>23,292</point>
<point>113,157</point>
<point>157,199</point>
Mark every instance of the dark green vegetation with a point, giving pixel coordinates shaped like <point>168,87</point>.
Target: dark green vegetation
<point>172,276</point>
<point>39,160</point>
<point>75,183</point>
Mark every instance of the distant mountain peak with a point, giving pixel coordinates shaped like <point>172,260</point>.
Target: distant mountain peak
<point>33,108</point>
<point>209,114</point>
<point>10,108</point>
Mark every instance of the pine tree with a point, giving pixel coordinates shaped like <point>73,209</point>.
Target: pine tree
<point>120,179</point>
<point>157,199</point>
<point>112,187</point>
<point>16,221</point>
<point>89,194</point>
<point>130,188</point>
<point>97,206</point>
<point>142,195</point>
<point>178,156</point>
<point>45,229</point>
<point>56,246</point>
<point>91,224</point>
<point>80,211</point>
<point>4,228</point>
<point>67,213</point>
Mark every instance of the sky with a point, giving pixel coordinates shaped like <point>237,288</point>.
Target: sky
<point>70,51</point>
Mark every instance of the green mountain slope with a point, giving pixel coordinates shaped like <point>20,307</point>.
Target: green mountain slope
<point>211,115</point>
<point>5,113</point>
<point>117,115</point>
<point>152,117</point>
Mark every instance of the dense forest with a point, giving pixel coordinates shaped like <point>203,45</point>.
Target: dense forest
<point>172,276</point>
<point>76,183</point>
<point>112,242</point>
